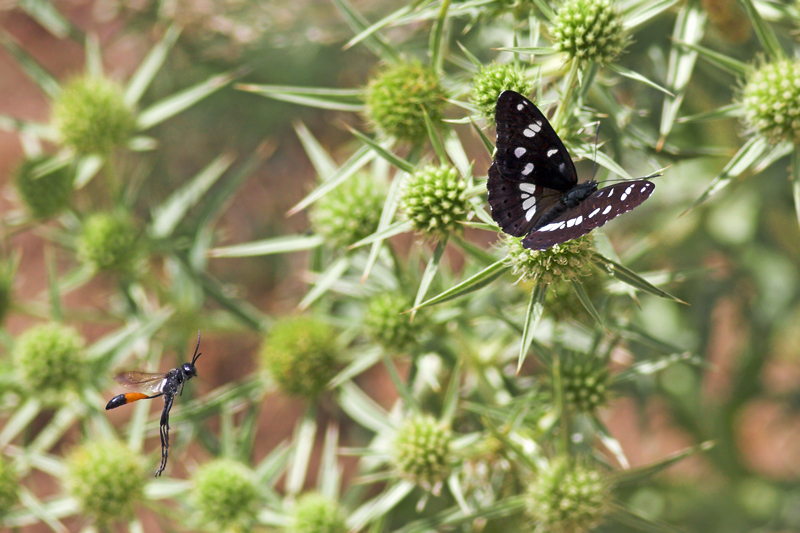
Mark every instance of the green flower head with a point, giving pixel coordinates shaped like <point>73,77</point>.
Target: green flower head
<point>44,186</point>
<point>771,100</point>
<point>9,486</point>
<point>585,381</point>
<point>568,261</point>
<point>49,360</point>
<point>568,498</point>
<point>396,97</point>
<point>107,479</point>
<point>109,241</point>
<point>350,212</point>
<point>225,496</point>
<point>315,513</point>
<point>434,201</point>
<point>422,451</point>
<point>387,322</point>
<point>91,115</point>
<point>492,80</point>
<point>301,355</point>
<point>589,30</point>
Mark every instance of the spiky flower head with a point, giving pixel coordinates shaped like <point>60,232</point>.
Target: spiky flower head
<point>107,478</point>
<point>301,355</point>
<point>91,115</point>
<point>434,200</point>
<point>315,513</point>
<point>568,261</point>
<point>492,80</point>
<point>387,322</point>
<point>584,380</point>
<point>589,30</point>
<point>350,212</point>
<point>422,451</point>
<point>225,496</point>
<point>109,241</point>
<point>44,186</point>
<point>9,486</point>
<point>568,498</point>
<point>49,360</point>
<point>396,97</point>
<point>771,100</point>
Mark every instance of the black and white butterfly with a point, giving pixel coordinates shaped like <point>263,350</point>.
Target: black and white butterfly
<point>533,186</point>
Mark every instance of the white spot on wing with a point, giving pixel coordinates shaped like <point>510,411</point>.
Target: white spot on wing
<point>525,195</point>
<point>527,204</point>
<point>579,220</point>
<point>552,151</point>
<point>519,152</point>
<point>571,222</point>
<point>528,133</point>
<point>607,209</point>
<point>643,188</point>
<point>529,213</point>
<point>536,126</point>
<point>528,169</point>
<point>593,213</point>
<point>624,195</point>
<point>519,107</point>
<point>611,192</point>
<point>527,187</point>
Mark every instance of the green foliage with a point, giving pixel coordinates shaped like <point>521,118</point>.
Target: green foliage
<point>7,274</point>
<point>107,479</point>
<point>397,96</point>
<point>91,115</point>
<point>225,496</point>
<point>110,241</point>
<point>301,355</point>
<point>49,360</point>
<point>9,486</point>
<point>589,30</point>
<point>434,201</point>
<point>44,187</point>
<point>315,513</point>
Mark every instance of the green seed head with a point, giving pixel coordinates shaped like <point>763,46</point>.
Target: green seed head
<point>107,479</point>
<point>568,261</point>
<point>396,97</point>
<point>91,115</point>
<point>9,486</point>
<point>44,187</point>
<point>301,355</point>
<point>434,201</point>
<point>566,498</point>
<point>771,100</point>
<point>589,30</point>
<point>49,360</point>
<point>494,79</point>
<point>585,381</point>
<point>315,513</point>
<point>350,212</point>
<point>422,451</point>
<point>225,496</point>
<point>109,241</point>
<point>387,322</point>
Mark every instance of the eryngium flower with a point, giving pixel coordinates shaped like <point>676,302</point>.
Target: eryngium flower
<point>434,200</point>
<point>315,513</point>
<point>422,451</point>
<point>396,97</point>
<point>771,99</point>
<point>91,115</point>
<point>589,30</point>
<point>492,80</point>
<point>387,322</point>
<point>567,261</point>
<point>225,496</point>
<point>49,360</point>
<point>301,355</point>
<point>109,241</point>
<point>584,380</point>
<point>44,187</point>
<point>350,212</point>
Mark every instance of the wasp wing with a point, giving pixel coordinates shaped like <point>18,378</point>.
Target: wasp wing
<point>141,381</point>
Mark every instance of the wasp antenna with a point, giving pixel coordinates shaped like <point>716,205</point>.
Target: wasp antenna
<point>196,355</point>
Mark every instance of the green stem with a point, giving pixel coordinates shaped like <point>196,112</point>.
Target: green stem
<point>564,436</point>
<point>572,82</point>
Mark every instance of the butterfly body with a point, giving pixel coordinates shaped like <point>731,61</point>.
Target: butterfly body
<point>533,186</point>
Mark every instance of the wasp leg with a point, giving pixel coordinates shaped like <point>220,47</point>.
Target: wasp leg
<point>164,431</point>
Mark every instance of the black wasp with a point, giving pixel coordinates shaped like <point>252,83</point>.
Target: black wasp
<point>152,386</point>
<point>533,186</point>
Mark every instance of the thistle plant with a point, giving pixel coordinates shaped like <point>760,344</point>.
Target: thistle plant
<point>44,186</point>
<point>434,201</point>
<point>589,30</point>
<point>225,496</point>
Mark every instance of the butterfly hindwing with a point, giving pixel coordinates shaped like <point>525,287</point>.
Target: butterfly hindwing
<point>528,148</point>
<point>517,205</point>
<point>597,209</point>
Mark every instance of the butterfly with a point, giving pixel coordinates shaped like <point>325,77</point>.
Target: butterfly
<point>533,187</point>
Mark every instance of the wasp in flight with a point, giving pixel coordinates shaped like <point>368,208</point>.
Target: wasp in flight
<point>152,386</point>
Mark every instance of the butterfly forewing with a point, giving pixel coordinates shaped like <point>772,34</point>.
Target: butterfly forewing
<point>141,381</point>
<point>528,149</point>
<point>517,205</point>
<point>597,209</point>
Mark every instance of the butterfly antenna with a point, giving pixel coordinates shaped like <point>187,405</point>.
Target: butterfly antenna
<point>196,355</point>
<point>596,136</point>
